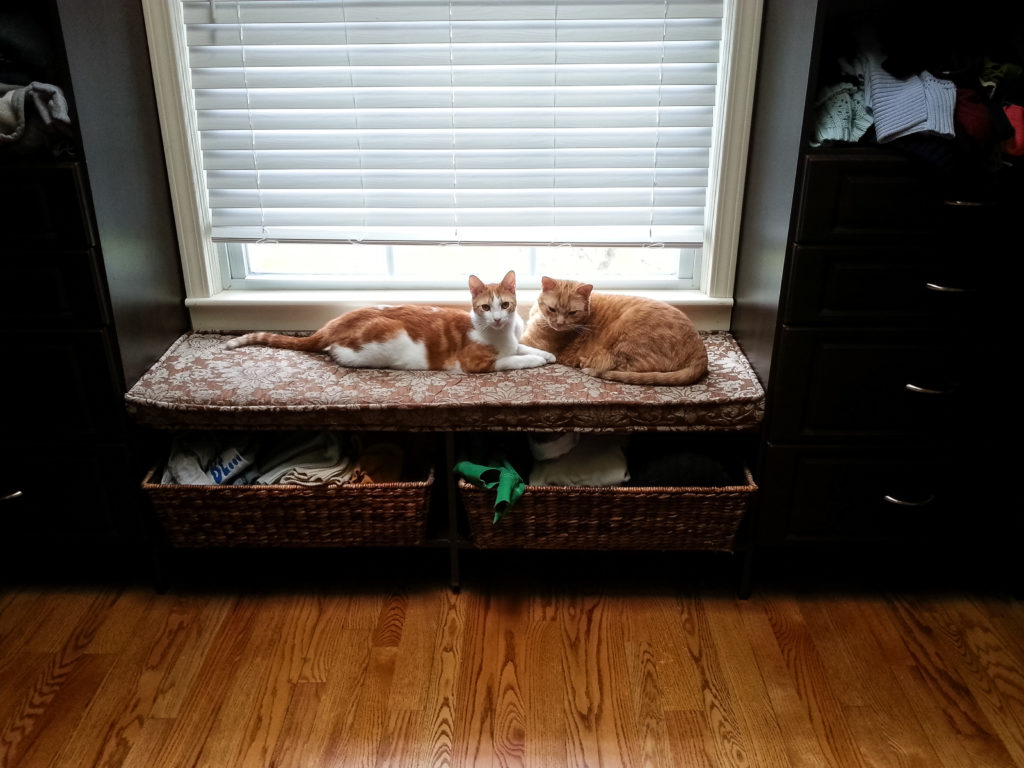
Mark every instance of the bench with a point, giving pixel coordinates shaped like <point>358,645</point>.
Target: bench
<point>199,385</point>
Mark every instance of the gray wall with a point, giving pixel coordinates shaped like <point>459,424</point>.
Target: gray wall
<point>112,85</point>
<point>776,137</point>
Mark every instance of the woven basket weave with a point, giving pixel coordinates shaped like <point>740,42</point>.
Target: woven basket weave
<point>392,514</point>
<point>615,517</point>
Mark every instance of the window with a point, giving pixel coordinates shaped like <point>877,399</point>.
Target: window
<point>323,150</point>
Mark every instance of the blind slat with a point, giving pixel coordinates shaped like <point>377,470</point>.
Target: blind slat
<point>398,97</point>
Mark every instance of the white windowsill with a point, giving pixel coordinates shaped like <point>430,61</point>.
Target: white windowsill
<point>308,310</point>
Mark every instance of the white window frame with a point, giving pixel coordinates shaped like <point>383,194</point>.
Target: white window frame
<point>212,307</point>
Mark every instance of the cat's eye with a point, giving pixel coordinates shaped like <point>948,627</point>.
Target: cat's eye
<point>485,307</point>
<point>550,309</point>
<point>573,312</point>
<point>506,304</point>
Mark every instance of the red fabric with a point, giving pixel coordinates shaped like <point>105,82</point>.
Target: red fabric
<point>972,114</point>
<point>1015,114</point>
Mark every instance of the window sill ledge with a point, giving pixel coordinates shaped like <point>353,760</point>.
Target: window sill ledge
<point>308,310</point>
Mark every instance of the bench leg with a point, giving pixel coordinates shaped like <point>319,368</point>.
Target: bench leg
<point>453,518</point>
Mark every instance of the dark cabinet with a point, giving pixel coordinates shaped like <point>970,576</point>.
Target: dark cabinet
<point>869,431</point>
<point>65,440</point>
<point>70,479</point>
<point>878,321</point>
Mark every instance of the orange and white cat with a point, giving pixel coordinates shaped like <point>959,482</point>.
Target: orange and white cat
<point>426,338</point>
<point>624,338</point>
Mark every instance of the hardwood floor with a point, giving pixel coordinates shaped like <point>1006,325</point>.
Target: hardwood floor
<point>540,660</point>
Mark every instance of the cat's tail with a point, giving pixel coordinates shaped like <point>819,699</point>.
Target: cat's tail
<point>279,340</point>
<point>691,374</point>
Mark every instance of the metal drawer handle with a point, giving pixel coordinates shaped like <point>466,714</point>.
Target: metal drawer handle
<point>9,496</point>
<point>969,203</point>
<point>902,503</point>
<point>944,288</point>
<point>927,390</point>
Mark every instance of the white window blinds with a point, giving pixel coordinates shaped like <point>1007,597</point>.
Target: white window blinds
<point>474,121</point>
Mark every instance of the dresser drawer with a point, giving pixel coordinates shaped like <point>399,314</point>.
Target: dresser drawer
<point>43,207</point>
<point>867,383</point>
<point>837,493</point>
<point>883,285</point>
<point>63,490</point>
<point>70,294</point>
<point>864,196</point>
<point>63,386</point>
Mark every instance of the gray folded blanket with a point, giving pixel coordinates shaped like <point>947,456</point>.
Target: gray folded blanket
<point>19,102</point>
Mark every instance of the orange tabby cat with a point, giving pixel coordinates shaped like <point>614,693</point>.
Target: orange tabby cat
<point>414,337</point>
<point>622,338</point>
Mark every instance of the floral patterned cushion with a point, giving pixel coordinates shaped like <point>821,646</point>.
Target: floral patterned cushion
<point>198,384</point>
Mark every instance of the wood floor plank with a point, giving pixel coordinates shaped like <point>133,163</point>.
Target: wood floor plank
<point>414,661</point>
<point>599,732</point>
<point>649,709</point>
<point>18,676</point>
<point>21,613</point>
<point>192,632</point>
<point>474,697</point>
<point>786,703</point>
<point>987,668</point>
<point>875,613</point>
<point>546,732</point>
<point>52,710</point>
<point>338,698</point>
<point>440,711</point>
<point>943,681</point>
<point>123,616</point>
<point>511,666</point>
<point>812,682</point>
<point>884,715</point>
<point>55,699</point>
<point>213,672</point>
<point>115,716</point>
<point>148,743</point>
<point>247,726</point>
<point>955,749</point>
<point>398,744</point>
<point>67,615</point>
<point>731,745</point>
<point>658,623</point>
<point>362,741</point>
<point>304,614</point>
<point>689,740</point>
<point>296,729</point>
<point>321,652</point>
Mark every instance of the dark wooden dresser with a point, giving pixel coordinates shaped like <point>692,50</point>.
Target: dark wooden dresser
<point>873,299</point>
<point>873,430</point>
<point>92,296</point>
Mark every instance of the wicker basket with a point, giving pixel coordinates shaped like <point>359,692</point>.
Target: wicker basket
<point>391,514</point>
<point>616,517</point>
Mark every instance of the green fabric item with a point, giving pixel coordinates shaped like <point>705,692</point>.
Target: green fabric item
<point>503,479</point>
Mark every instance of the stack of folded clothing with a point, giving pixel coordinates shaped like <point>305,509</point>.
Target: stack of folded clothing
<point>286,458</point>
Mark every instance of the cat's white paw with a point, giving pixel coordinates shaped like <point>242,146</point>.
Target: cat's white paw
<point>531,361</point>
<point>516,362</point>
<point>525,350</point>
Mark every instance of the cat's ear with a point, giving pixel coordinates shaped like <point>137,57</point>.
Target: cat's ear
<point>547,284</point>
<point>476,285</point>
<point>584,290</point>
<point>509,282</point>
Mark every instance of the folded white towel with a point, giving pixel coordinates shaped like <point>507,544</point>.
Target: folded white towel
<point>303,453</point>
<point>598,460</point>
